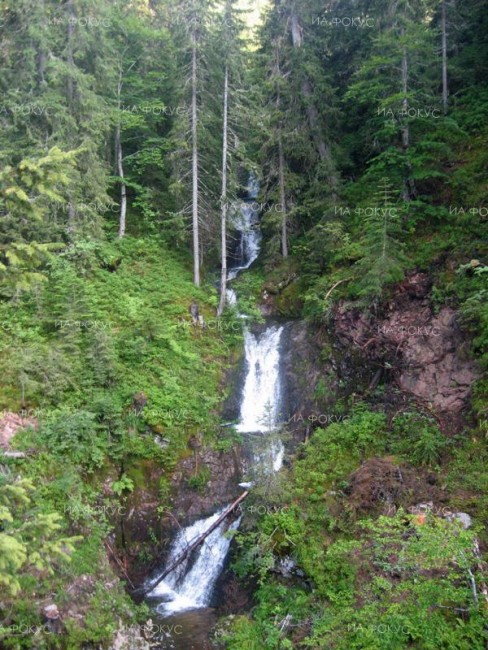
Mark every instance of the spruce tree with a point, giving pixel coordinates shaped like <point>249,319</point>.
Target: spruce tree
<point>383,260</point>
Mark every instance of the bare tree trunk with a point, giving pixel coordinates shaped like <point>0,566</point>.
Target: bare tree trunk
<point>223,198</point>
<point>194,118</point>
<point>281,155</point>
<point>71,62</point>
<point>445,88</point>
<point>70,58</point>
<point>406,128</point>
<point>120,166</point>
<point>41,53</point>
<point>281,181</point>
<point>123,188</point>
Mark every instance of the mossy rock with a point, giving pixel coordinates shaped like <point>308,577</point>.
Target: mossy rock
<point>290,302</point>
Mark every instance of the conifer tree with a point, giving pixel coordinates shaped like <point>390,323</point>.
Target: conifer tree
<point>383,258</point>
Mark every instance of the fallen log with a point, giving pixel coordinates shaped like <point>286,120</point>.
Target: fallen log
<point>13,454</point>
<point>201,538</point>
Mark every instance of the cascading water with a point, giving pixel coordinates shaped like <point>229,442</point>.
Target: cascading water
<point>190,585</point>
<point>261,400</point>
<point>246,222</point>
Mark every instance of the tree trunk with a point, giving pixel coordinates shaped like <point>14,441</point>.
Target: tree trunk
<point>445,88</point>
<point>71,227</point>
<point>281,155</point>
<point>70,58</point>
<point>408,189</point>
<point>223,198</point>
<point>281,181</point>
<point>196,243</point>
<point>193,545</point>
<point>120,166</point>
<point>405,129</point>
<point>41,53</point>
<point>123,188</point>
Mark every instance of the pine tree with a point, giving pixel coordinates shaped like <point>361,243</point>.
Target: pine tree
<point>383,259</point>
<point>393,84</point>
<point>28,539</point>
<point>27,194</point>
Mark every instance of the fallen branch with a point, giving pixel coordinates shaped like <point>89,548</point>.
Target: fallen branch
<point>119,563</point>
<point>283,626</point>
<point>13,454</point>
<point>334,286</point>
<point>201,538</point>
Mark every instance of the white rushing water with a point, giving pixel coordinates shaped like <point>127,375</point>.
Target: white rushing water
<point>191,583</point>
<point>245,221</point>
<point>261,394</point>
<point>261,397</point>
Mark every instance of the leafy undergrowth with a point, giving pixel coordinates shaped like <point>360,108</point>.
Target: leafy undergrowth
<point>372,570</point>
<point>106,361</point>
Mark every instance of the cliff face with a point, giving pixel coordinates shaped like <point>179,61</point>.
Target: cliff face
<point>423,353</point>
<point>414,352</point>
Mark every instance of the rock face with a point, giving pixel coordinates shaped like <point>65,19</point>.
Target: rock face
<point>133,637</point>
<point>309,377</point>
<point>463,518</point>
<point>10,423</point>
<point>222,487</point>
<point>141,516</point>
<point>426,352</point>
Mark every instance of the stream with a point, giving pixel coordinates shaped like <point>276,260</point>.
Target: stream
<point>183,615</point>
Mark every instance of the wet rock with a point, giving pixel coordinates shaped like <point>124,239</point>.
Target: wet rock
<point>307,364</point>
<point>161,442</point>
<point>287,568</point>
<point>130,637</point>
<point>225,473</point>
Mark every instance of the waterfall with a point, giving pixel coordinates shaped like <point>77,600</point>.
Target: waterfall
<point>246,221</point>
<point>261,399</point>
<point>191,583</point>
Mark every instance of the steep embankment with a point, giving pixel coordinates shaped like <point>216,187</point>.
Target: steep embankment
<point>119,388</point>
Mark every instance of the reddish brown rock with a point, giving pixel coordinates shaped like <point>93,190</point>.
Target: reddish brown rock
<point>10,423</point>
<point>427,352</point>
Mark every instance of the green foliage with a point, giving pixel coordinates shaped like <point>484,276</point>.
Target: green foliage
<point>383,261</point>
<point>199,480</point>
<point>78,437</point>
<point>124,483</point>
<point>418,439</point>
<point>111,322</point>
<point>97,334</point>
<point>27,193</point>
<point>374,583</point>
<point>30,541</point>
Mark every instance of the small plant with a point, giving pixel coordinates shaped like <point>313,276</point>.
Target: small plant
<point>199,480</point>
<point>124,483</point>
